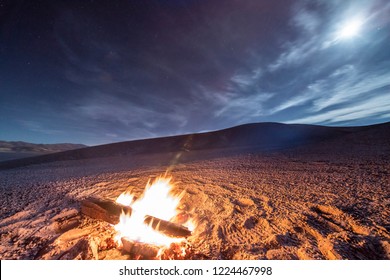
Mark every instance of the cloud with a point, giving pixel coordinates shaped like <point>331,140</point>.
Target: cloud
<point>329,79</point>
<point>292,102</point>
<point>316,32</point>
<point>348,86</point>
<point>245,81</point>
<point>306,24</point>
<point>125,115</point>
<point>376,106</point>
<point>240,99</point>
<point>296,53</point>
<point>244,108</point>
<point>36,126</point>
<point>308,21</point>
<point>346,92</point>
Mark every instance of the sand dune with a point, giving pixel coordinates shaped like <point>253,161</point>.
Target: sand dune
<point>259,136</point>
<point>10,150</point>
<point>259,191</point>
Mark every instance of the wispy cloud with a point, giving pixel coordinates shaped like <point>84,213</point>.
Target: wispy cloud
<point>345,87</point>
<point>38,126</point>
<point>245,108</point>
<point>296,52</point>
<point>306,20</point>
<point>243,98</point>
<point>346,92</point>
<point>335,80</point>
<point>316,33</point>
<point>245,81</point>
<point>292,102</point>
<point>376,106</point>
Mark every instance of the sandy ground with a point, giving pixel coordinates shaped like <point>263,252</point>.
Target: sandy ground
<point>296,204</point>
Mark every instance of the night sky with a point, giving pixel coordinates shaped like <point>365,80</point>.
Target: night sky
<point>96,72</point>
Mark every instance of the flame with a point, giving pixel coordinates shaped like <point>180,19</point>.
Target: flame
<point>157,201</point>
<point>125,199</point>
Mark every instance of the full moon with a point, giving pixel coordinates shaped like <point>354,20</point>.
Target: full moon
<point>350,29</point>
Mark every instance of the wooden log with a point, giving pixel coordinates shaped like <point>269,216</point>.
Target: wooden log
<point>145,250</point>
<point>110,211</point>
<point>168,228</point>
<point>103,209</point>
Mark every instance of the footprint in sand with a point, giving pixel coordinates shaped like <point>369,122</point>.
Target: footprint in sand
<point>339,220</point>
<point>339,236</point>
<point>243,225</point>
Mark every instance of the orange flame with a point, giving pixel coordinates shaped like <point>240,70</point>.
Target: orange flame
<point>157,201</point>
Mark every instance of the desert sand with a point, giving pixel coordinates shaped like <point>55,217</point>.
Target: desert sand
<point>327,198</point>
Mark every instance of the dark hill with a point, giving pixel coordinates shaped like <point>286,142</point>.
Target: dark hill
<point>18,149</point>
<point>257,136</point>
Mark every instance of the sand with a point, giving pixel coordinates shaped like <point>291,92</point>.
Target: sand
<point>323,201</point>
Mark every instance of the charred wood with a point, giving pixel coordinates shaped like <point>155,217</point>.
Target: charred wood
<point>110,211</point>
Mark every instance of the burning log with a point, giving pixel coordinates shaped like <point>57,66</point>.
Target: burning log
<point>168,228</point>
<point>103,209</point>
<point>147,251</point>
<point>110,211</point>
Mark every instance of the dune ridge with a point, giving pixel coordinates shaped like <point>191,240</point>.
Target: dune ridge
<point>258,136</point>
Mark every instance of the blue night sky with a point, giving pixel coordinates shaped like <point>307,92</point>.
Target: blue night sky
<point>96,72</point>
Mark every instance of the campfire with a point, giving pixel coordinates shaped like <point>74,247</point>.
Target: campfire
<point>151,226</point>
